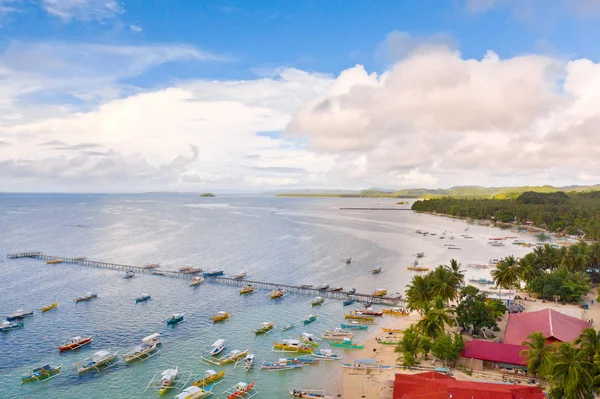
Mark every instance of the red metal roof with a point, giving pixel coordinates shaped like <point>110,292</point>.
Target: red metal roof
<point>553,324</point>
<point>431,385</point>
<point>494,352</point>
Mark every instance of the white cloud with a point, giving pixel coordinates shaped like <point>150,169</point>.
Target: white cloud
<point>135,28</point>
<point>85,10</point>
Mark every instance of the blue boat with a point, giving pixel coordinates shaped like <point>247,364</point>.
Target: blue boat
<point>310,319</point>
<point>352,291</point>
<point>7,325</point>
<point>19,315</point>
<point>349,302</point>
<point>354,326</point>
<point>175,319</point>
<point>143,298</point>
<point>213,273</point>
<point>41,373</point>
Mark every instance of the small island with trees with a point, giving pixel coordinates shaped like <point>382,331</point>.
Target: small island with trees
<point>207,195</point>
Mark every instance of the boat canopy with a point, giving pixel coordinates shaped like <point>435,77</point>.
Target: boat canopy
<point>169,374</point>
<point>308,335</point>
<point>265,324</point>
<point>219,342</point>
<point>100,355</point>
<point>151,337</point>
<point>365,361</point>
<point>241,385</point>
<point>291,341</point>
<point>75,339</point>
<point>209,373</point>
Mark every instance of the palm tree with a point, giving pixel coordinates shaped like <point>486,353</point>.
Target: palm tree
<point>528,270</point>
<point>409,346</point>
<point>435,316</point>
<point>589,342</point>
<point>538,354</point>
<point>506,273</point>
<point>444,284</point>
<point>418,293</point>
<point>570,373</point>
<point>579,258</point>
<point>458,273</point>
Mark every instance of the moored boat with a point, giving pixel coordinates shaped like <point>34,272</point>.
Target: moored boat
<point>396,312</point>
<point>309,393</point>
<point>264,328</point>
<point>88,296</point>
<point>326,354</point>
<point>348,260</point>
<point>74,343</point>
<point>306,286</point>
<point>356,316</point>
<point>99,361</point>
<point>151,265</point>
<point>348,344</point>
<point>481,280</point>
<point>420,254</point>
<point>323,287</point>
<point>145,350</point>
<point>175,318</point>
<point>309,318</point>
<point>417,268</point>
<point>42,373</point>
<point>277,293</point>
<point>50,307</point>
<point>241,390</point>
<point>168,379</point>
<point>392,330</point>
<point>209,377</point>
<point>240,276</point>
<point>380,292</point>
<point>369,312</point>
<point>220,316</point>
<point>157,273</point>
<point>376,270</point>
<point>348,302</point>
<point>309,339</point>
<point>190,270</point>
<point>194,392</point>
<point>354,326</point>
<point>292,345</point>
<point>214,273</point>
<point>54,261</point>
<point>19,314</point>
<point>233,356</point>
<point>366,364</point>
<point>247,289</point>
<point>282,365</point>
<point>143,298</point>
<point>352,291</point>
<point>217,347</point>
<point>196,281</point>
<point>287,327</point>
<point>317,300</point>
<point>248,361</point>
<point>337,334</point>
<point>337,289</point>
<point>129,274</point>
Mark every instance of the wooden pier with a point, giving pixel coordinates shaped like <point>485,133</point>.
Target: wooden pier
<point>342,295</point>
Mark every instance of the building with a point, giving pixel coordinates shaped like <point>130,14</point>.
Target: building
<point>558,327</point>
<point>480,355</point>
<point>432,385</point>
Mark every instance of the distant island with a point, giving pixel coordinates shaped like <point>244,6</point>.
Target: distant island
<point>207,195</point>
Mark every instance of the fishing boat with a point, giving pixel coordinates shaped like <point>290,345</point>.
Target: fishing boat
<point>366,364</point>
<point>241,390</point>
<point>369,312</point>
<point>157,273</point>
<point>168,379</point>
<point>194,392</point>
<point>317,301</point>
<point>417,268</point>
<point>287,327</point>
<point>99,361</point>
<point>277,293</point>
<point>376,270</point>
<point>348,260</point>
<point>240,276</point>
<point>309,339</point>
<point>190,270</point>
<point>311,318</point>
<point>352,291</point>
<point>214,273</point>
<point>481,280</point>
<point>337,334</point>
<point>143,298</point>
<point>396,312</point>
<point>129,274</point>
<point>420,254</point>
<point>50,307</point>
<point>54,261</point>
<point>281,365</point>
<point>41,373</point>
<point>496,244</point>
<point>264,328</point>
<point>355,316</point>
<point>233,356</point>
<point>19,315</point>
<point>348,344</point>
<point>323,287</point>
<point>209,377</point>
<point>176,318</point>
<point>354,326</point>
<point>88,296</point>
<point>247,289</point>
<point>309,393</point>
<point>196,281</point>
<point>145,350</point>
<point>220,316</point>
<point>248,361</point>
<point>326,354</point>
<point>337,289</point>
<point>348,302</point>
<point>380,292</point>
<point>74,343</point>
<point>306,286</point>
<point>392,330</point>
<point>292,345</point>
<point>217,347</point>
<point>478,265</point>
<point>151,265</point>
<point>303,360</point>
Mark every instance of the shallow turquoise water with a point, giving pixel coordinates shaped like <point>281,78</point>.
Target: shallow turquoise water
<point>291,241</point>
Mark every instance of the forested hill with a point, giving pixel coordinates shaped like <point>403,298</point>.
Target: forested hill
<point>572,212</point>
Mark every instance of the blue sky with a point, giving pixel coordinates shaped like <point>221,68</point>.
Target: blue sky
<point>82,71</point>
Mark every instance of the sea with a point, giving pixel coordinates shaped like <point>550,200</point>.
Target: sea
<point>281,240</point>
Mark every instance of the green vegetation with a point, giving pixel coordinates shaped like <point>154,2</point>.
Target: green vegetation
<point>447,347</point>
<point>475,311</point>
<point>573,213</point>
<point>207,195</point>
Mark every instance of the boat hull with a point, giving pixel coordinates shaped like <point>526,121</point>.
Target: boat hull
<point>75,345</point>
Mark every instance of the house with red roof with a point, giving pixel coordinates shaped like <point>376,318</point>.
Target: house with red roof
<point>501,355</point>
<point>558,327</point>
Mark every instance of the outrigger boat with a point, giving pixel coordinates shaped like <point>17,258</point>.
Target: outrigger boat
<point>194,392</point>
<point>354,326</point>
<point>420,254</point>
<point>309,393</point>
<point>380,292</point>
<point>54,261</point>
<point>176,318</point>
<point>417,268</point>
<point>241,390</point>
<point>233,356</point>
<point>190,270</point>
<point>157,273</point>
<point>240,276</point>
<point>50,307</point>
<point>168,380</point>
<point>42,373</point>
<point>337,334</point>
<point>209,377</point>
<point>287,327</point>
<point>392,330</point>
<point>265,327</point>
<point>248,361</point>
<point>348,260</point>
<point>129,274</point>
<point>349,302</point>
<point>366,364</point>
<point>368,311</point>
<point>247,289</point>
<point>277,293</point>
<point>87,297</point>
<point>348,344</point>
<point>99,361</point>
<point>337,289</point>
<point>306,286</point>
<point>145,350</point>
<point>311,318</point>
<point>143,298</point>
<point>151,265</point>
<point>196,281</point>
<point>355,316</point>
<point>481,280</point>
<point>352,291</point>
<point>396,312</point>
<point>324,287</point>
<point>214,273</point>
<point>217,347</point>
<point>19,315</point>
<point>376,271</point>
<point>292,345</point>
<point>327,354</point>
<point>317,301</point>
<point>303,360</point>
<point>220,316</point>
<point>281,365</point>
<point>309,339</point>
<point>74,343</point>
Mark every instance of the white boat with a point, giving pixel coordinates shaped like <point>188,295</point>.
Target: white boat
<point>240,276</point>
<point>309,393</point>
<point>194,392</point>
<point>326,354</point>
<point>217,347</point>
<point>248,361</point>
<point>167,379</point>
<point>337,334</point>
<point>99,361</point>
<point>196,281</point>
<point>145,350</point>
<point>129,274</point>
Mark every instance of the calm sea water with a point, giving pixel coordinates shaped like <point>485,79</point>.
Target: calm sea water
<point>283,240</point>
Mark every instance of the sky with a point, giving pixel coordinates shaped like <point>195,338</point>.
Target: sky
<point>254,96</point>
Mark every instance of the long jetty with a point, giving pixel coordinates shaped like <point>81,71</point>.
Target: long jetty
<point>386,300</point>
